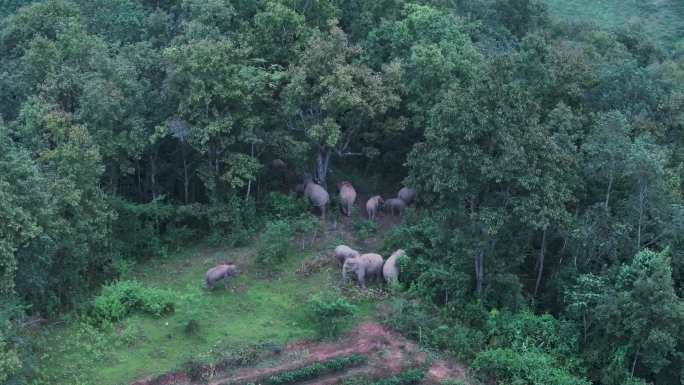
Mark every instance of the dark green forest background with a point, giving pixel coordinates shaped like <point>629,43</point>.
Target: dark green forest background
<point>547,155</point>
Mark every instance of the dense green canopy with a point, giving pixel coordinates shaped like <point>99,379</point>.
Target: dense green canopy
<point>547,156</point>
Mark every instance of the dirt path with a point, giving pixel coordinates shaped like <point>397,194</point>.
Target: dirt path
<point>388,353</point>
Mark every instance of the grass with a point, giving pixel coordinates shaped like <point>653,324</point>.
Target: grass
<point>254,310</point>
<point>662,19</point>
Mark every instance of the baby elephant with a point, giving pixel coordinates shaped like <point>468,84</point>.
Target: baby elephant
<point>395,205</point>
<point>390,270</point>
<point>365,265</point>
<point>344,252</point>
<point>373,205</point>
<point>221,272</point>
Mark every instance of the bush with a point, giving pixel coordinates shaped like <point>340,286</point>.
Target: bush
<point>232,221</point>
<point>10,363</point>
<point>525,330</point>
<point>280,206</point>
<point>275,242</point>
<point>123,297</point>
<point>365,229</point>
<point>531,367</point>
<point>408,377</point>
<point>329,313</point>
<point>317,369</point>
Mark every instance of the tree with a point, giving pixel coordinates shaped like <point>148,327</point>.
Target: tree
<point>633,318</point>
<point>487,159</point>
<point>70,254</point>
<point>333,100</point>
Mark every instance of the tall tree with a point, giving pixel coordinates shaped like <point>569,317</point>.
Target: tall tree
<point>332,99</point>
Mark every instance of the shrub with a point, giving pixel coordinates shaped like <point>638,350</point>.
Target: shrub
<point>328,314</point>
<point>408,377</point>
<point>129,336</point>
<point>317,369</point>
<point>280,206</point>
<point>232,221</point>
<point>531,367</point>
<point>275,242</point>
<point>365,229</point>
<point>10,364</point>
<point>123,297</point>
<point>191,327</point>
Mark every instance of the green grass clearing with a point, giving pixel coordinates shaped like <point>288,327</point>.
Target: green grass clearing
<point>253,310</point>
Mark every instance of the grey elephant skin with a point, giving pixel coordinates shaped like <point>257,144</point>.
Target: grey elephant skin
<point>390,270</point>
<point>407,194</point>
<point>373,205</point>
<point>344,252</point>
<point>347,197</point>
<point>365,266</point>
<point>316,194</point>
<point>221,272</point>
<point>395,205</point>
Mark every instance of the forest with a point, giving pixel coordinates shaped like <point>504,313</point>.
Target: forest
<point>545,246</point>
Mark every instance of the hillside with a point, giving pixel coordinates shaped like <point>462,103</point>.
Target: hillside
<point>524,158</point>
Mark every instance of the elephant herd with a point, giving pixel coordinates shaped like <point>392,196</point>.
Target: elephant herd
<point>368,266</point>
<point>319,197</point>
<point>364,266</point>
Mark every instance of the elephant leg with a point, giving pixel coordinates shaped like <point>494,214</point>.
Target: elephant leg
<point>361,276</point>
<point>225,282</point>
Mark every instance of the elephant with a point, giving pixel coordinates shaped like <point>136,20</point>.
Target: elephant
<point>219,272</point>
<point>278,164</point>
<point>344,252</point>
<point>347,197</point>
<point>395,205</point>
<point>373,205</point>
<point>390,270</point>
<point>365,265</point>
<point>407,194</point>
<point>316,194</point>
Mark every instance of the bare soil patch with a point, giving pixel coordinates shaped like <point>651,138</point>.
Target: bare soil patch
<point>388,353</point>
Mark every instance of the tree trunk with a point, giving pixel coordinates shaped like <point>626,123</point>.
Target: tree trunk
<point>153,173</point>
<point>636,356</point>
<point>322,163</point>
<point>249,182</point>
<point>186,176</point>
<point>540,263</point>
<point>642,202</point>
<point>479,271</point>
<point>610,187</point>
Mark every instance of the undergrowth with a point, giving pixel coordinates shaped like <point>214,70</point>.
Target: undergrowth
<point>318,369</point>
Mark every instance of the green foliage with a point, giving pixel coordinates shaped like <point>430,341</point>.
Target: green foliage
<point>435,331</point>
<point>365,229</point>
<point>10,363</point>
<point>547,155</point>
<point>120,299</point>
<point>233,221</point>
<point>407,377</point>
<point>316,370</point>
<point>636,309</point>
<point>329,314</point>
<point>275,243</point>
<point>528,368</point>
<point>277,205</point>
